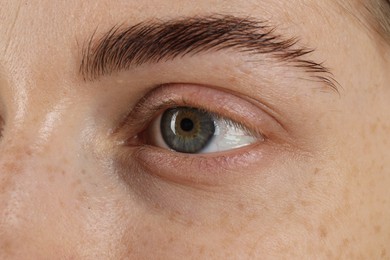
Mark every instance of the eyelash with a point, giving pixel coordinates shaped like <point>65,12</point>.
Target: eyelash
<point>145,111</point>
<point>167,163</point>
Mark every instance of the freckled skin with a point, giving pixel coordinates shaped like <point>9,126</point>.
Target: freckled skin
<point>63,196</point>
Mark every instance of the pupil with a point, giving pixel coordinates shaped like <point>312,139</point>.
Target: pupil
<point>186,124</point>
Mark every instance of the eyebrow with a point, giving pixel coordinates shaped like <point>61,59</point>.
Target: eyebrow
<point>122,48</point>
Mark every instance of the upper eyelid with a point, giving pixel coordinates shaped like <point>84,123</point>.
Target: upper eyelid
<point>232,107</point>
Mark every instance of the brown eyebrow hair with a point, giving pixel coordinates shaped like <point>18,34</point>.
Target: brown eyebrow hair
<point>156,41</point>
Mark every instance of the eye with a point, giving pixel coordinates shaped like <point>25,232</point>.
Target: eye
<point>193,130</point>
<point>182,132</point>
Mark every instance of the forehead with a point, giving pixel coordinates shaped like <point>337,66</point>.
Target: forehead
<point>54,26</point>
<point>48,37</point>
<point>84,16</point>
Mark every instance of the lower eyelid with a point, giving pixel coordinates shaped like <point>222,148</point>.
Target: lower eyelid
<point>205,169</point>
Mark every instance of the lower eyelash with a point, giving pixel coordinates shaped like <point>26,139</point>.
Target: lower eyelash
<point>204,169</point>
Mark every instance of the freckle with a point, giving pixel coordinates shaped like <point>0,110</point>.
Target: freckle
<point>173,216</point>
<point>232,79</point>
<point>28,152</point>
<point>252,216</point>
<point>148,228</point>
<point>6,248</point>
<point>83,172</point>
<point>305,203</point>
<point>5,183</point>
<point>76,183</point>
<point>290,210</point>
<point>171,239</point>
<point>316,171</point>
<point>373,128</point>
<point>156,206</point>
<point>190,223</point>
<point>310,185</point>
<point>129,251</point>
<point>202,250</point>
<point>240,206</point>
<point>11,167</point>
<point>323,232</point>
<point>81,196</point>
<point>377,229</point>
<point>63,173</point>
<point>345,242</point>
<point>383,253</point>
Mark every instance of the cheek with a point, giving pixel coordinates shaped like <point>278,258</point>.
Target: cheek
<point>53,203</point>
<point>293,218</point>
<point>36,196</point>
<point>221,235</point>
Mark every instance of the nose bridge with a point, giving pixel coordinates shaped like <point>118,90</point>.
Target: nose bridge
<point>27,134</point>
<point>38,139</point>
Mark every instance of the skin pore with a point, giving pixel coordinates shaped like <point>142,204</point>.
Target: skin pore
<point>82,177</point>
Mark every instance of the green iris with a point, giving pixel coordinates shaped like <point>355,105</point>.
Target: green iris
<point>186,129</point>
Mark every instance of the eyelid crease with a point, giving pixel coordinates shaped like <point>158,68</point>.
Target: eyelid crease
<point>155,41</point>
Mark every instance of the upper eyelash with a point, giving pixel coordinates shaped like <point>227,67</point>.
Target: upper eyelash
<point>255,121</point>
<point>170,103</point>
